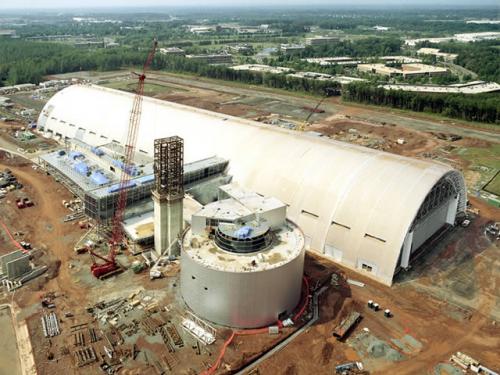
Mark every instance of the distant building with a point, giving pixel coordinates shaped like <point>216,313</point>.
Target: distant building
<point>89,44</point>
<point>290,49</point>
<point>406,71</point>
<point>380,28</point>
<point>321,40</point>
<point>202,29</point>
<point>464,38</point>
<point>312,75</point>
<point>262,29</point>
<point>262,68</point>
<point>172,51</point>
<point>414,42</point>
<point>221,58</point>
<point>380,69</point>
<point>476,37</point>
<point>327,61</point>
<point>7,33</point>
<point>412,70</point>
<point>242,49</point>
<point>482,22</point>
<point>475,87</point>
<point>400,59</point>
<point>436,52</point>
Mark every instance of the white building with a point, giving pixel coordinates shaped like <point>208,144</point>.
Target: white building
<point>381,28</point>
<point>321,40</point>
<point>368,210</point>
<point>436,52</point>
<point>172,51</point>
<point>476,87</point>
<point>289,49</point>
<point>262,68</point>
<point>406,70</point>
<point>328,61</point>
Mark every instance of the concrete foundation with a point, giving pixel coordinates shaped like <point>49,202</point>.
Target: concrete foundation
<point>15,264</point>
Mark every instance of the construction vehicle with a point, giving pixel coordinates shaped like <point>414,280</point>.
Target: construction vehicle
<point>20,203</point>
<point>329,91</point>
<point>28,202</point>
<point>101,270</point>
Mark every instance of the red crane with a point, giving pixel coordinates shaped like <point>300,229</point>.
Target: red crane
<point>110,265</point>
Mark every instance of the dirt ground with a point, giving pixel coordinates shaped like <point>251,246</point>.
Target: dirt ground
<point>435,327</point>
<point>41,225</point>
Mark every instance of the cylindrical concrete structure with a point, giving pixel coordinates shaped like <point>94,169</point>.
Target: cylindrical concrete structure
<point>243,290</point>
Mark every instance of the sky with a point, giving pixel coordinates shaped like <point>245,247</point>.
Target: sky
<point>51,4</point>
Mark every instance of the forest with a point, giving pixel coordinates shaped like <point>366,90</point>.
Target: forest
<point>480,107</point>
<point>482,57</point>
<point>28,62</point>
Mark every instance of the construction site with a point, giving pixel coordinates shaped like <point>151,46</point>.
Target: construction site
<point>206,229</point>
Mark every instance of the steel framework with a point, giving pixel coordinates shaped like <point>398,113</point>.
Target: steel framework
<point>169,167</point>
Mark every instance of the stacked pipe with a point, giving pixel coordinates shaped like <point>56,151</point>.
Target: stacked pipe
<point>50,325</point>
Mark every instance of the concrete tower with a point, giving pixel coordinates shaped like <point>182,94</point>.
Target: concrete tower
<point>168,194</point>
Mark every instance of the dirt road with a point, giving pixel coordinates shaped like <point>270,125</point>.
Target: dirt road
<point>333,105</point>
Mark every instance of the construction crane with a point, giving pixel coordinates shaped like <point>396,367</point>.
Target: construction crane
<point>329,91</point>
<point>109,266</point>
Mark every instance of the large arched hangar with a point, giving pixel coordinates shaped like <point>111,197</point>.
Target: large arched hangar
<point>367,209</point>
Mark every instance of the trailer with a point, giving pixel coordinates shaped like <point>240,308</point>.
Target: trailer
<point>346,325</point>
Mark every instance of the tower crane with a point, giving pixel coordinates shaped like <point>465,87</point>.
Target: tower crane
<point>101,270</point>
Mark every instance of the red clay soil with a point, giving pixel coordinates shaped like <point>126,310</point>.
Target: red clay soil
<point>42,225</point>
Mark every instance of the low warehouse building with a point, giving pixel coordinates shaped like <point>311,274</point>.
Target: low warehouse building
<point>369,210</point>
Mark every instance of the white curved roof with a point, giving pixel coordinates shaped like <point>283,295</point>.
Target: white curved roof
<point>323,181</point>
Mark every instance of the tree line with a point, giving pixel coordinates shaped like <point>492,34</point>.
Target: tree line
<point>29,62</point>
<point>179,64</point>
<point>479,107</point>
<point>371,46</point>
<point>482,57</point>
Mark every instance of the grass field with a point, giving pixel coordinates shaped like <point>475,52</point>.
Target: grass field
<point>488,157</point>
<point>150,89</point>
<point>493,186</point>
<point>486,161</point>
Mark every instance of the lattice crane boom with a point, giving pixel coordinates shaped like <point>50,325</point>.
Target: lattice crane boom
<point>126,172</point>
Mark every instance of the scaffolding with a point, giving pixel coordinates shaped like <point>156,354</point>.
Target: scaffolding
<point>169,167</point>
